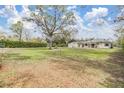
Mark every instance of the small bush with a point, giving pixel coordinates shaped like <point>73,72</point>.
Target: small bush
<point>59,45</point>
<point>17,44</point>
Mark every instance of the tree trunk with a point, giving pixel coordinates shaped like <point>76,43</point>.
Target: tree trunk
<point>20,37</point>
<point>50,43</point>
<point>66,43</point>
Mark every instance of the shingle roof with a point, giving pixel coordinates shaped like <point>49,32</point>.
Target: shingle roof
<point>94,41</point>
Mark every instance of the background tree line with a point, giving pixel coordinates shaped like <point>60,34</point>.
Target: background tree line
<point>55,22</point>
<point>57,26</point>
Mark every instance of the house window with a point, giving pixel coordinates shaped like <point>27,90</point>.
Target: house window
<point>85,44</point>
<point>92,45</point>
<point>106,44</point>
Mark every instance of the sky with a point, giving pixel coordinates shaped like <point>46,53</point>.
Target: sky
<point>93,21</point>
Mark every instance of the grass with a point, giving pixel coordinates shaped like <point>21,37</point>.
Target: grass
<point>62,67</point>
<point>95,54</point>
<point>42,53</point>
<point>27,54</point>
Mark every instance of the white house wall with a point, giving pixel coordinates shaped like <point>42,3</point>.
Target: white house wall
<point>73,45</point>
<point>100,45</point>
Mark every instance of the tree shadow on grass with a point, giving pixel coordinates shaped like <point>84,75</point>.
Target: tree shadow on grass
<point>116,70</point>
<point>16,56</point>
<point>113,66</point>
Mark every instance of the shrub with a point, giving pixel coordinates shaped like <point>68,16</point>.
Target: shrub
<point>59,45</point>
<point>123,46</point>
<point>17,44</point>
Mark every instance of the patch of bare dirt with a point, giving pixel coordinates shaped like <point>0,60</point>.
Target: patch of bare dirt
<point>53,72</point>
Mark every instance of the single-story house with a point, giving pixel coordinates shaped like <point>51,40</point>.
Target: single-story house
<point>91,44</point>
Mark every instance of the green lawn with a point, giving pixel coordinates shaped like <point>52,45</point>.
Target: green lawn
<point>63,67</point>
<point>41,53</point>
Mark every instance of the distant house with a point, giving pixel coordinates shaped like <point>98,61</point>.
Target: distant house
<point>91,44</point>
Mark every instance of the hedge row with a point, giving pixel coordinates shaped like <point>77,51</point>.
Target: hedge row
<point>17,44</point>
<point>123,46</point>
<point>59,45</point>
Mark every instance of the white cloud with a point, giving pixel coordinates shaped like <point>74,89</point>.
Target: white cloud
<point>96,13</point>
<point>29,26</point>
<point>109,19</point>
<point>80,26</point>
<point>80,23</point>
<point>96,16</point>
<point>121,13</point>
<point>13,20</point>
<point>97,22</point>
<point>5,31</point>
<point>100,26</point>
<point>13,16</point>
<point>71,7</point>
<point>25,11</point>
<point>2,29</point>
<point>102,31</point>
<point>8,11</point>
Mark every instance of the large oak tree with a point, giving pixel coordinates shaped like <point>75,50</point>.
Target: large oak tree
<point>51,19</point>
